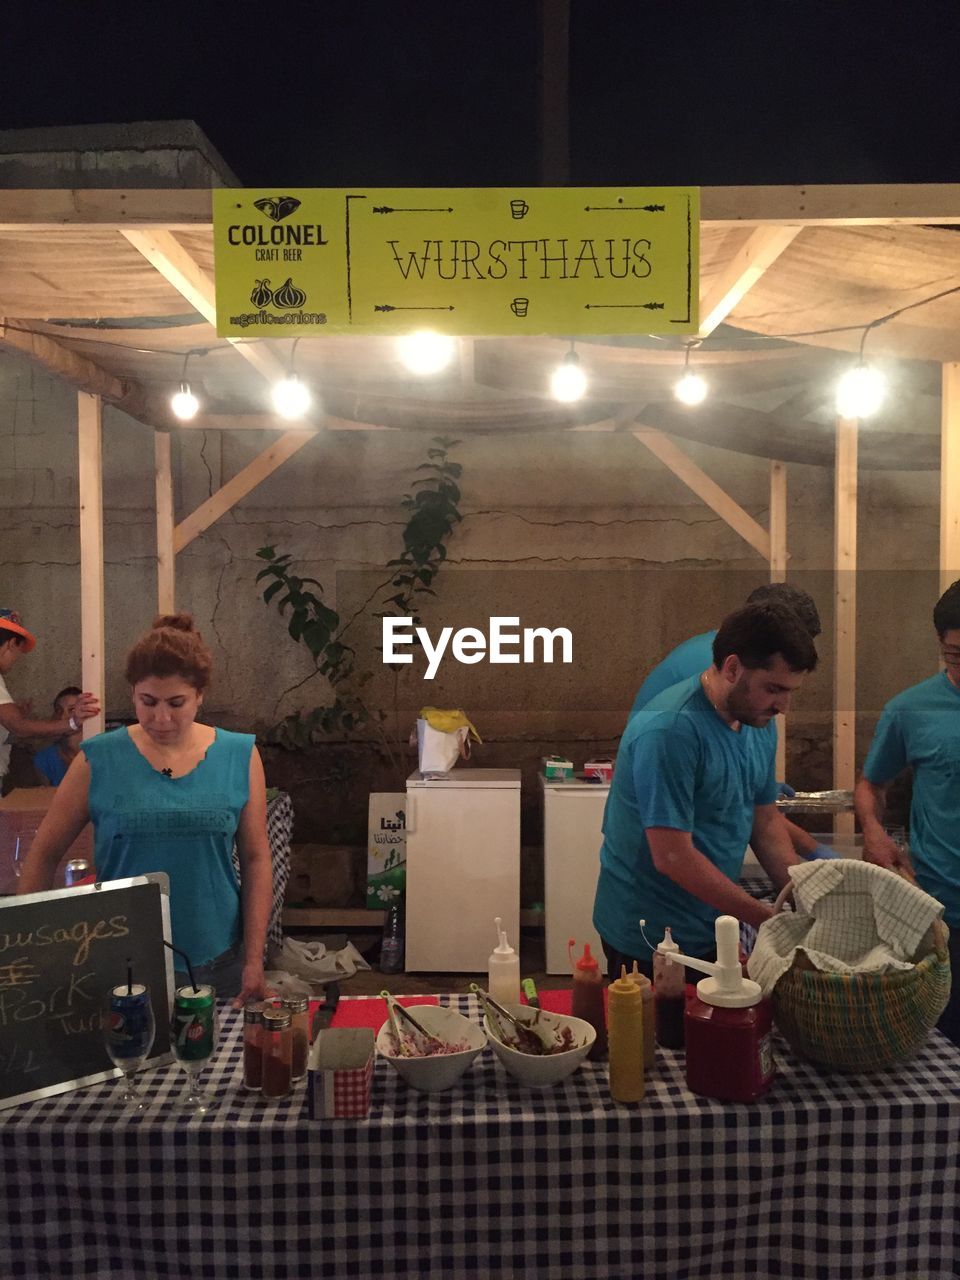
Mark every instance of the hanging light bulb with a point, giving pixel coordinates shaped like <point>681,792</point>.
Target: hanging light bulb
<point>291,397</point>
<point>568,382</point>
<point>690,388</point>
<point>426,352</point>
<point>184,403</point>
<point>860,391</point>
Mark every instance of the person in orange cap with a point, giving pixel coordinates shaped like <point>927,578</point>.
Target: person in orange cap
<point>15,639</point>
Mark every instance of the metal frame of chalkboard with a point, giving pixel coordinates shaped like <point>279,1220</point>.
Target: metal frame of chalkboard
<point>112,1073</point>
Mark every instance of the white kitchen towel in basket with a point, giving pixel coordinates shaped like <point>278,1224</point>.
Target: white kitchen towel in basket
<point>850,917</point>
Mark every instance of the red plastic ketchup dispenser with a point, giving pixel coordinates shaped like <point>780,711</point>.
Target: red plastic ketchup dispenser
<point>727,1025</point>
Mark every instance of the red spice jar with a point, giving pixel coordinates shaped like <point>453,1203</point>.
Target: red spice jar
<point>277,1057</point>
<point>299,1009</point>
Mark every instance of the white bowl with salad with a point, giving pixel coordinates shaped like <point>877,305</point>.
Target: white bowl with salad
<point>565,1040</point>
<point>432,1066</point>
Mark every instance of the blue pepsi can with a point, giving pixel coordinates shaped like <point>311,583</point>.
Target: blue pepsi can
<point>130,1024</point>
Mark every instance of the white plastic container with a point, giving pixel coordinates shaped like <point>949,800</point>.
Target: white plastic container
<point>503,969</point>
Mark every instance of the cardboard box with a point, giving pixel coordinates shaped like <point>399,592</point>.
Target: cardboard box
<point>602,769</point>
<point>386,848</point>
<point>340,1074</point>
<point>21,813</point>
<point>557,768</point>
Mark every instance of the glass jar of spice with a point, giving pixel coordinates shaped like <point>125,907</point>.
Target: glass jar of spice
<point>277,1053</point>
<point>299,1009</point>
<point>252,1044</point>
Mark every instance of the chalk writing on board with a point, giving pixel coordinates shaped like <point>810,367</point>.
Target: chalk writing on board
<point>81,935</point>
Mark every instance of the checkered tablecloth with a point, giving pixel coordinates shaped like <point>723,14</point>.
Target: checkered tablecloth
<point>827,1178</point>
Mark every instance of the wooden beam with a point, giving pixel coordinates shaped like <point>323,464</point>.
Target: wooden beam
<point>741,273</point>
<point>778,573</point>
<point>166,556</point>
<point>845,615</point>
<point>950,476</point>
<point>827,205</point>
<point>263,465</point>
<point>93,667</point>
<point>685,469</point>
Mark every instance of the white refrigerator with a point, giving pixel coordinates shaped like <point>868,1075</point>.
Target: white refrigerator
<point>572,816</point>
<point>463,867</point>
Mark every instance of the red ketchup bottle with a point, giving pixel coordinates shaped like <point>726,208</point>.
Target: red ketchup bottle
<point>588,1000</point>
<point>727,1026</point>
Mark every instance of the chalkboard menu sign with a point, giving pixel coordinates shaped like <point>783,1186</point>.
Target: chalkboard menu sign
<point>60,953</point>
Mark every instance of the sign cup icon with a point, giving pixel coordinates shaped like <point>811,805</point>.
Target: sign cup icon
<point>519,209</point>
<point>519,306</point>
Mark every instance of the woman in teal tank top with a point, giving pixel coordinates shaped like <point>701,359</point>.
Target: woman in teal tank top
<point>169,794</point>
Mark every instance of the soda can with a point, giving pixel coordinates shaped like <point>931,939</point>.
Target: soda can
<point>75,870</point>
<point>193,1023</point>
<point>129,1024</point>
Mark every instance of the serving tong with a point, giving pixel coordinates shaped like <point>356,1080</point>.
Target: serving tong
<point>426,1040</point>
<point>533,1038</point>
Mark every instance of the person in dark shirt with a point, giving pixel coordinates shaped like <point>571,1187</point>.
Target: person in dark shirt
<point>54,761</point>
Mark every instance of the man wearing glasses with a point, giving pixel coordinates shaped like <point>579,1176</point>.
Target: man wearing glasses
<point>920,728</point>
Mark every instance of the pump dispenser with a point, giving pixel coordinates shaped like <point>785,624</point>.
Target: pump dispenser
<point>727,1025</point>
<point>668,993</point>
<point>503,981</point>
<point>587,1001</point>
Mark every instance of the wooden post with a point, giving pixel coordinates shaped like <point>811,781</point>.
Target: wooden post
<point>845,616</point>
<point>166,555</point>
<point>90,435</point>
<point>949,475</point>
<point>778,573</point>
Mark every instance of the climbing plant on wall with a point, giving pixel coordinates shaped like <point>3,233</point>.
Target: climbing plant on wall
<point>433,513</point>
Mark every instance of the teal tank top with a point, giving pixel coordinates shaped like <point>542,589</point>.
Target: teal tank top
<point>144,821</point>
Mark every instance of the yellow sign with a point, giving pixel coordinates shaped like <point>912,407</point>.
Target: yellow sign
<point>570,260</point>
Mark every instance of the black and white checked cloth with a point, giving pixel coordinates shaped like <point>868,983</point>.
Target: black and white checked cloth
<point>279,834</point>
<point>827,1178</point>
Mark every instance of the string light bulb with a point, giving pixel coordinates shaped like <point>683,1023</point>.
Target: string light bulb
<point>184,403</point>
<point>568,382</point>
<point>426,352</point>
<point>860,391</point>
<point>291,397</point>
<point>690,388</point>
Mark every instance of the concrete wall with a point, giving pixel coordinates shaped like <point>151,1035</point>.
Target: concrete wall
<point>586,531</point>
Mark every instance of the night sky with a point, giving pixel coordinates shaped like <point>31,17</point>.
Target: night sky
<point>444,93</point>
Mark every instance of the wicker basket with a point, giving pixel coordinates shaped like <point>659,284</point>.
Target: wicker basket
<point>863,1022</point>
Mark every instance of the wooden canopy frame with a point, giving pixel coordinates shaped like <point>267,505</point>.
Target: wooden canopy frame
<point>153,222</point>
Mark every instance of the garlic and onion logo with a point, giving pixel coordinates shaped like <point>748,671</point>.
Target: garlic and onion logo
<point>288,297</point>
<point>277,207</point>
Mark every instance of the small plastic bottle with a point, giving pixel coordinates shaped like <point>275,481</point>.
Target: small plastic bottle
<point>649,1016</point>
<point>625,1033</point>
<point>391,949</point>
<point>588,1001</point>
<point>668,992</point>
<point>503,977</point>
<point>252,1044</point>
<point>299,1009</point>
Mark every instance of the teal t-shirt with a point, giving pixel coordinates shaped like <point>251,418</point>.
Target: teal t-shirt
<point>144,821</point>
<point>679,766</point>
<point>686,660</point>
<point>921,728</point>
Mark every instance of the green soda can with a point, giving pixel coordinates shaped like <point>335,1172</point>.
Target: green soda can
<point>193,1032</point>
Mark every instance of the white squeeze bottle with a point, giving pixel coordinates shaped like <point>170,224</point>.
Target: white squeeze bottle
<point>503,981</point>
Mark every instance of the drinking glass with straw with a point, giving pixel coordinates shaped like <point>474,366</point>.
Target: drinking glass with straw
<point>128,1030</point>
<point>194,1034</point>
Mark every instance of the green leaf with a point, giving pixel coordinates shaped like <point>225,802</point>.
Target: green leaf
<point>271,591</point>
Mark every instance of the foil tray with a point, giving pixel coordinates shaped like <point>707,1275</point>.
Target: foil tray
<point>817,802</point>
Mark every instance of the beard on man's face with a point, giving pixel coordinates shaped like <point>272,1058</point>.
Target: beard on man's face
<point>745,707</point>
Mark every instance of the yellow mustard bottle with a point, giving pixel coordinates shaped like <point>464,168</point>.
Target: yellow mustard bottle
<point>649,1016</point>
<point>625,1039</point>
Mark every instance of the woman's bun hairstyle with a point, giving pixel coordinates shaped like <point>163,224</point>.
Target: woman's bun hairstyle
<point>172,647</point>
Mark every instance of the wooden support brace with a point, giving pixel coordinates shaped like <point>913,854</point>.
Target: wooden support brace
<point>845,615</point>
<point>90,437</point>
<point>166,556</point>
<point>742,272</point>
<point>778,573</point>
<point>950,476</point>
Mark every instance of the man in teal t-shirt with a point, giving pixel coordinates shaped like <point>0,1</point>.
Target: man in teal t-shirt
<point>694,783</point>
<point>920,728</point>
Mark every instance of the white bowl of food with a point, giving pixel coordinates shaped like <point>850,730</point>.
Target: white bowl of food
<point>569,1040</point>
<point>462,1040</point>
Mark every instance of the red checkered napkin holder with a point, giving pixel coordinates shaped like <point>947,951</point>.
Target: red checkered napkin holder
<point>340,1074</point>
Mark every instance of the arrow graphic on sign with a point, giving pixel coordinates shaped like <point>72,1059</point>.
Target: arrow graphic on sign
<point>623,306</point>
<point>624,208</point>
<point>386,208</point>
<point>387,307</point>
